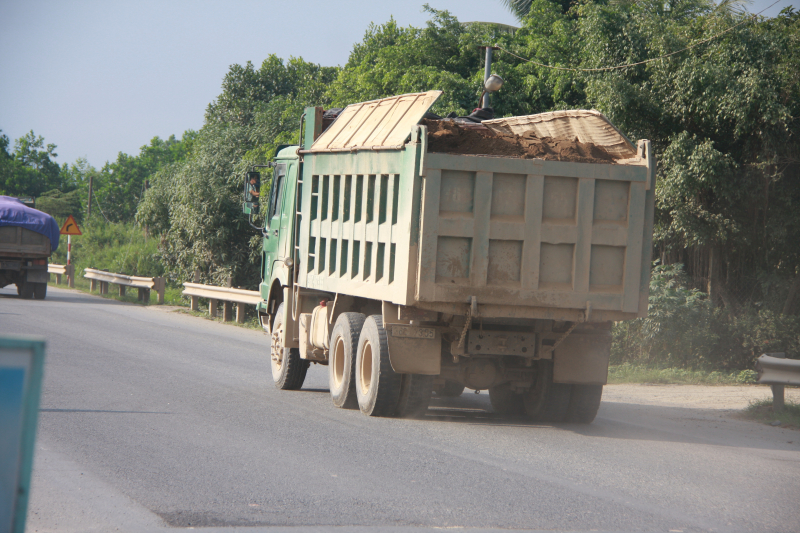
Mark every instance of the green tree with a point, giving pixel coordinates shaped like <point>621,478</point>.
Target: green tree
<point>30,169</point>
<point>120,184</point>
<point>195,205</point>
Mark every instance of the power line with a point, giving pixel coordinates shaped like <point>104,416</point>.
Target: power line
<point>618,67</point>
<point>97,201</point>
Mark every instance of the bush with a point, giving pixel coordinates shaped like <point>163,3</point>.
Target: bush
<point>121,248</point>
<point>684,330</point>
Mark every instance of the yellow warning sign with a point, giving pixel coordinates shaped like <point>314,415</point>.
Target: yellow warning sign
<point>70,227</point>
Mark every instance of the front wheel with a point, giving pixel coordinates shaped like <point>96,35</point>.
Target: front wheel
<point>288,369</point>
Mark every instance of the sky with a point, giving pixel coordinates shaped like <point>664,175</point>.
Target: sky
<point>99,77</point>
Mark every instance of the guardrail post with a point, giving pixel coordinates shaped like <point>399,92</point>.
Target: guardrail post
<point>92,285</point>
<point>240,312</point>
<point>160,285</point>
<point>196,299</point>
<point>58,279</point>
<point>778,399</point>
<point>121,289</point>
<point>71,275</point>
<point>212,308</point>
<point>227,307</point>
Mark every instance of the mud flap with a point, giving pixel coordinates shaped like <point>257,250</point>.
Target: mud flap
<point>582,359</point>
<point>414,350</point>
<point>37,274</point>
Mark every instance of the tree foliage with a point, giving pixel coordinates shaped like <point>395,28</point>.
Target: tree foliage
<point>195,205</point>
<point>30,169</point>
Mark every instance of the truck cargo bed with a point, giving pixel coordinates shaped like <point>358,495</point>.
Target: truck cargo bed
<point>21,242</point>
<point>427,229</point>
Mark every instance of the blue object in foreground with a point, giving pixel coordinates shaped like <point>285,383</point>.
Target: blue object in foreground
<point>21,365</point>
<point>15,213</point>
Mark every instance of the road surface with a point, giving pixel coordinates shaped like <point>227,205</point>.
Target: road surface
<point>153,420</point>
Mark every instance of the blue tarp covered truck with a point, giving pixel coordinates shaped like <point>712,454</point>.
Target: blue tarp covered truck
<point>27,238</point>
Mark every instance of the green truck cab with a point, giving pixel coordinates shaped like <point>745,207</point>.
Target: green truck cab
<point>410,270</point>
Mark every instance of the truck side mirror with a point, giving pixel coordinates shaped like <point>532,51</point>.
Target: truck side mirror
<point>252,190</point>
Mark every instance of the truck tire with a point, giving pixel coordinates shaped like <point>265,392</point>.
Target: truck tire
<point>584,403</point>
<point>505,401</point>
<point>377,384</point>
<point>25,290</point>
<point>449,389</point>
<point>40,291</point>
<point>556,404</point>
<point>342,365</point>
<point>415,395</point>
<point>547,401</point>
<point>288,370</point>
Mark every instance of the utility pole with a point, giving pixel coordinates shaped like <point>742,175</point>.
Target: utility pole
<point>89,211</point>
<point>487,71</point>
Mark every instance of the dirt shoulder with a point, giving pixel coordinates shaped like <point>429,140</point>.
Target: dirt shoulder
<point>722,397</point>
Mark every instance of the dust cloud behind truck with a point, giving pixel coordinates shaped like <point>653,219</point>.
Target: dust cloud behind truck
<point>27,238</point>
<point>413,254</point>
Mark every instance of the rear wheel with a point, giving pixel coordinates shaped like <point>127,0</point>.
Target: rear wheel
<point>584,403</point>
<point>40,291</point>
<point>505,401</point>
<point>343,350</point>
<point>25,290</point>
<point>377,384</point>
<point>449,389</point>
<point>415,395</point>
<point>547,401</point>
<point>288,369</point>
<point>556,403</point>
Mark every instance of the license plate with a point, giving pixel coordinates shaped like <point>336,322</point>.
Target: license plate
<point>411,332</point>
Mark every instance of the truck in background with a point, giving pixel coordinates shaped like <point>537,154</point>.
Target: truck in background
<point>27,239</point>
<point>412,257</point>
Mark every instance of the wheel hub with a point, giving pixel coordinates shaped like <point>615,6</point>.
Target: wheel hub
<point>276,347</point>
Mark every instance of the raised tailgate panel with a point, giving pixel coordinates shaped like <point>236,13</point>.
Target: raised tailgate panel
<point>532,232</point>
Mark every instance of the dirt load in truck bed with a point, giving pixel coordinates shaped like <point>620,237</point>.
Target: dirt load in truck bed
<point>453,137</point>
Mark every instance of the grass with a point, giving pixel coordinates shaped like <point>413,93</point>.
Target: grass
<point>761,410</point>
<point>250,323</point>
<point>628,373</point>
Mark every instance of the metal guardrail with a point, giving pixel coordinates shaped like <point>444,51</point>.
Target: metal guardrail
<point>143,284</point>
<point>775,370</point>
<point>63,270</point>
<point>215,294</point>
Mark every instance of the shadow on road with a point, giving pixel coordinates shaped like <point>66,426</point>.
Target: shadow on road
<point>63,296</point>
<point>623,421</point>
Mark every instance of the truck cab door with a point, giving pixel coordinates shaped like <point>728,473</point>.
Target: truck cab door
<point>272,233</point>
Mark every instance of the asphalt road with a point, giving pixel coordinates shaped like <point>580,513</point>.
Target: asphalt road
<point>152,420</point>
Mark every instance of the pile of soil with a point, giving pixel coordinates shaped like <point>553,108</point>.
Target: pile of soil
<point>452,137</point>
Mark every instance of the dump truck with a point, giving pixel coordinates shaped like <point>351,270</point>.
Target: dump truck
<point>27,238</point>
<point>415,255</point>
